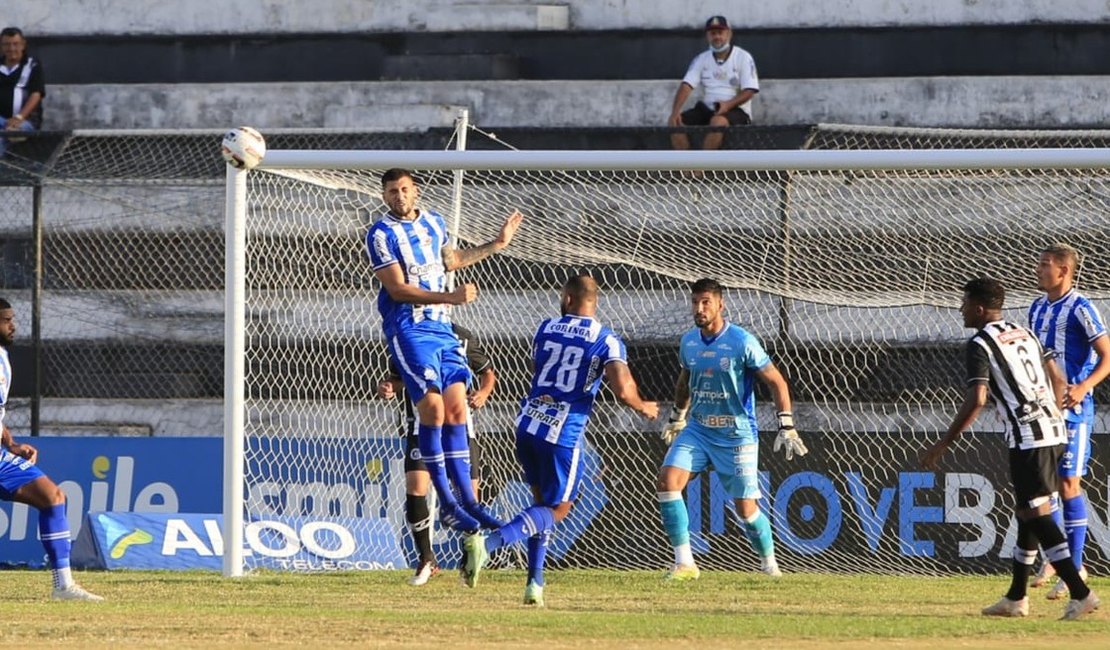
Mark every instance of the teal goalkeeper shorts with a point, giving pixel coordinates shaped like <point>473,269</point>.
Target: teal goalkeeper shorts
<point>737,465</point>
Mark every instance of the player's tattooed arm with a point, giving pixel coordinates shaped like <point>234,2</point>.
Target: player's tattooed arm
<point>454,258</point>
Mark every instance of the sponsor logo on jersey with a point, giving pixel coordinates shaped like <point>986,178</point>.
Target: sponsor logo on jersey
<point>431,269</point>
<point>1013,335</point>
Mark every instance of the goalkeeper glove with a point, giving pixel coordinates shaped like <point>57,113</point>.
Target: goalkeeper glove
<point>676,424</point>
<point>788,437</point>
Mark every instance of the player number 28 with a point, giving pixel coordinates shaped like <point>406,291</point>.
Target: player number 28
<point>564,362</point>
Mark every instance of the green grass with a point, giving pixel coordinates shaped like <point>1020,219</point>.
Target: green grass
<point>596,609</point>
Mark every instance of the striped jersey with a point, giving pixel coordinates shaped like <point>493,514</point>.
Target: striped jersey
<point>1010,360</point>
<point>5,381</point>
<point>722,389</point>
<point>1069,326</point>
<point>416,245</point>
<point>570,354</point>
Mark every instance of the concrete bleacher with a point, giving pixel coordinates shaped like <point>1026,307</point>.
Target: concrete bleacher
<point>405,64</point>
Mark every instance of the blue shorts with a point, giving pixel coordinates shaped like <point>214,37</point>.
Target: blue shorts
<point>1077,453</point>
<point>15,472</point>
<point>428,356</point>
<point>555,471</point>
<point>737,465</point>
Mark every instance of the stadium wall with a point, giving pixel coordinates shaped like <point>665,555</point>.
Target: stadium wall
<point>84,17</point>
<point>965,102</point>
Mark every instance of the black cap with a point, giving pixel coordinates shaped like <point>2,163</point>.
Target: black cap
<point>716,22</point>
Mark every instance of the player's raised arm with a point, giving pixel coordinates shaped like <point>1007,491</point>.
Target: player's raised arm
<point>624,387</point>
<point>454,258</point>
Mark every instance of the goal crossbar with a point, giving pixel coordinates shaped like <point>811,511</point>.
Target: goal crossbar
<point>790,160</point>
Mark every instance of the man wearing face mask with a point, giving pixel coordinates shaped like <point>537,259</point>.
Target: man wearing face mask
<point>728,79</point>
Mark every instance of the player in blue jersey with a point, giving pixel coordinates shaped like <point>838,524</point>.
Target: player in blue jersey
<point>1068,323</point>
<point>571,355</point>
<point>21,481</point>
<point>411,256</point>
<point>417,514</point>
<point>713,423</point>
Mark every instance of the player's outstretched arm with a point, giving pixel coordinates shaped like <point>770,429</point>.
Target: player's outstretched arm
<point>975,398</point>
<point>626,390</point>
<point>454,258</point>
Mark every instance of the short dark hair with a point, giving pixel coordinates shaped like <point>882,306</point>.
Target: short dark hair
<point>582,288</point>
<point>4,304</point>
<point>987,292</point>
<point>11,31</point>
<point>707,285</point>
<point>396,174</point>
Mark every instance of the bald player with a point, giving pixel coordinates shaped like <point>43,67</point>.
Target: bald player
<point>571,355</point>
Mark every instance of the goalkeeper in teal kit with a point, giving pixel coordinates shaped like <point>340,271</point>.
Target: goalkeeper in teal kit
<point>713,423</point>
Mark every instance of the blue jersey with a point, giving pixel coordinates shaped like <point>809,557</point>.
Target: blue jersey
<point>570,355</point>
<point>417,246</point>
<point>1069,326</point>
<point>722,392</point>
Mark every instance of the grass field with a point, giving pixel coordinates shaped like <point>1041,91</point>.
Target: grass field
<point>596,609</point>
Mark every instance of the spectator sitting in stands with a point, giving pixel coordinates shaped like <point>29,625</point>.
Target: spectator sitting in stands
<point>21,85</point>
<point>728,79</point>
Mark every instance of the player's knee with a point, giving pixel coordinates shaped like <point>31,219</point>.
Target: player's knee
<point>1071,486</point>
<point>718,120</point>
<point>562,510</point>
<point>670,481</point>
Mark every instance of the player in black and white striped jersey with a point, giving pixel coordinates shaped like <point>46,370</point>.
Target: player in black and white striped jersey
<point>1008,360</point>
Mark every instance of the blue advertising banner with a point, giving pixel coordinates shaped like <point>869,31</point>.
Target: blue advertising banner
<point>150,475</point>
<point>124,540</point>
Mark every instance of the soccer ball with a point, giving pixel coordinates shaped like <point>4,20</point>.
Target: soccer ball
<point>243,147</point>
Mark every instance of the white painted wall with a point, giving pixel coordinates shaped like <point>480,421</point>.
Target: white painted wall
<point>84,17</point>
<point>972,102</point>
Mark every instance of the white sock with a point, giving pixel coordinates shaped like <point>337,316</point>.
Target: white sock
<point>683,555</point>
<point>63,579</point>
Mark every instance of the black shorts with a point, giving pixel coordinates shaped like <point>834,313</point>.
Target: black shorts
<point>699,116</point>
<point>1033,472</point>
<point>414,463</point>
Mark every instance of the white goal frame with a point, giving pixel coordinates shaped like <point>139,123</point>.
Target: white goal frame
<point>788,160</point>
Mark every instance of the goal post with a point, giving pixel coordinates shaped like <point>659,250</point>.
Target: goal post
<point>845,263</point>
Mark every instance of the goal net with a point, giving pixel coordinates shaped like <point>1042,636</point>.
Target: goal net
<point>846,264</point>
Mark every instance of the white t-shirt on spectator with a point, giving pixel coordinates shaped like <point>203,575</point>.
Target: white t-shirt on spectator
<point>723,80</point>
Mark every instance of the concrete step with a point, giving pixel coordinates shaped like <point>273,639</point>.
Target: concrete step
<point>963,102</point>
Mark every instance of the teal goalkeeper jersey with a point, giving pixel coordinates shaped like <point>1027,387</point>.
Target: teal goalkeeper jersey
<point>722,392</point>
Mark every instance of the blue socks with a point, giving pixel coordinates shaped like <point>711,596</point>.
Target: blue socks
<point>537,553</point>
<point>456,459</point>
<point>54,532</point>
<point>1075,527</point>
<point>676,521</point>
<point>536,520</point>
<point>429,439</point>
<point>758,530</point>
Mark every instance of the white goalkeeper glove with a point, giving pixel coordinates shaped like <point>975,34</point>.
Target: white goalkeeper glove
<point>788,437</point>
<point>675,425</point>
